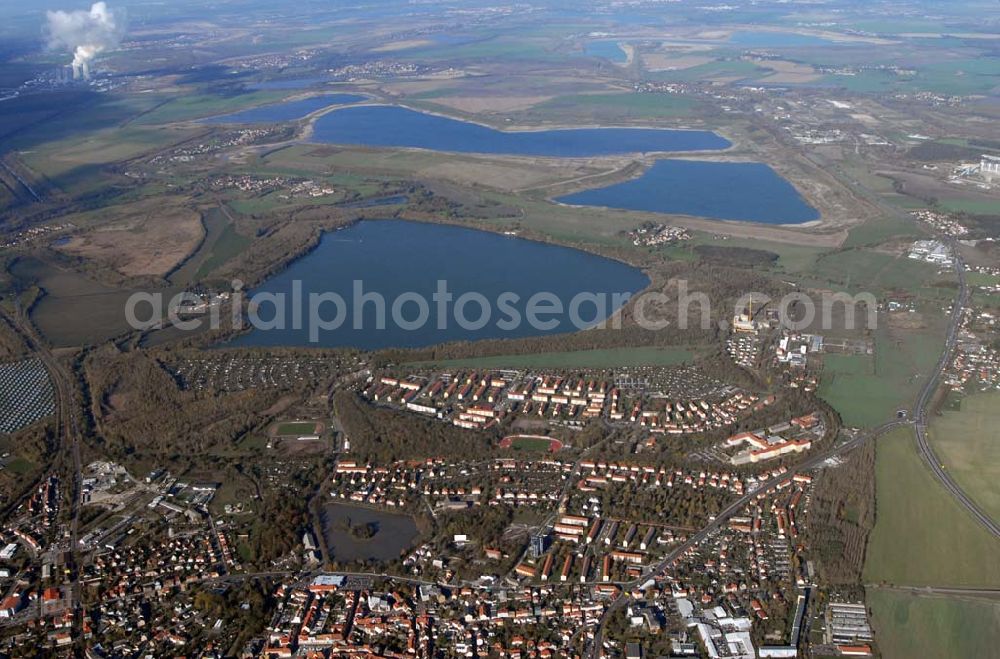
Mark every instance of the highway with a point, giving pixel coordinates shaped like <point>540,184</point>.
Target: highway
<point>927,396</point>
<point>930,387</point>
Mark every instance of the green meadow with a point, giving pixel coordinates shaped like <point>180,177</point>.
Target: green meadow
<point>968,443</point>
<point>909,625</point>
<point>922,536</point>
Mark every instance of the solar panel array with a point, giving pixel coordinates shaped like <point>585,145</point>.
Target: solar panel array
<point>26,394</point>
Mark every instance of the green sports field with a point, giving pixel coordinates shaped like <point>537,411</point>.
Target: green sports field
<point>296,428</point>
<point>531,444</point>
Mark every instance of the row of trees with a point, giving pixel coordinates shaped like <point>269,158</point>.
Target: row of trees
<point>841,516</point>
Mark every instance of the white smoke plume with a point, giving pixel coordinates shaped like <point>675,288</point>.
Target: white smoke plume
<point>84,33</point>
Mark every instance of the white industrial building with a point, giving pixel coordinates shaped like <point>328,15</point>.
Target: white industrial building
<point>989,167</point>
<point>847,623</point>
<point>932,251</point>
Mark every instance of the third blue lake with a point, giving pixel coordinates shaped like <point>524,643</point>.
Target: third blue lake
<point>392,126</point>
<point>745,191</point>
<point>609,50</point>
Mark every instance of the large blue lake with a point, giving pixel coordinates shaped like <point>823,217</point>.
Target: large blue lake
<point>391,126</point>
<point>750,192</point>
<point>394,257</point>
<point>287,111</point>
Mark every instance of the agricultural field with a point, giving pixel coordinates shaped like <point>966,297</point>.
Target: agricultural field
<point>618,106</point>
<point>596,359</point>
<point>981,279</point>
<point>187,107</point>
<point>271,202</point>
<point>881,230</point>
<point>959,76</point>
<point>867,390</point>
<point>922,536</point>
<point>29,121</point>
<point>968,443</point>
<point>654,62</point>
<point>20,466</point>
<point>503,174</point>
<point>917,625</point>
<point>928,191</point>
<point>512,49</point>
<point>972,206</point>
<point>842,375</point>
<point>714,71</point>
<point>877,272</point>
<point>57,159</point>
<point>880,184</point>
